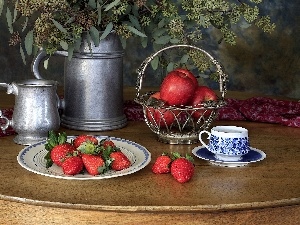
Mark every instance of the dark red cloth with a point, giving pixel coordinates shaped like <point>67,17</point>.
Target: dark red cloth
<point>133,111</point>
<point>231,110</point>
<point>258,109</point>
<point>271,111</point>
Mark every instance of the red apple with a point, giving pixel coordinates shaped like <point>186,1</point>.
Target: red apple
<point>189,74</point>
<point>162,117</point>
<point>202,94</point>
<point>177,88</point>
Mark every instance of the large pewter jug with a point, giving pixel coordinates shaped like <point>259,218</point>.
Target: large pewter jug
<point>35,111</point>
<point>93,86</point>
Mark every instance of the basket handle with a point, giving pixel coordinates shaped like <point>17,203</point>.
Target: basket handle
<point>141,70</point>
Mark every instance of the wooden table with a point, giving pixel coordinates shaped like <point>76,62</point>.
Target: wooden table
<point>266,192</point>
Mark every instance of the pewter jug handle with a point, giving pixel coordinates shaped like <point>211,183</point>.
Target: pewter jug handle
<point>7,122</point>
<point>36,62</point>
<point>39,58</point>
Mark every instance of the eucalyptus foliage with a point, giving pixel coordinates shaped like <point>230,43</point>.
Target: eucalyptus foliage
<point>59,24</point>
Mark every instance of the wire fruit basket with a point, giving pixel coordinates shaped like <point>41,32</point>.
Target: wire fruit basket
<point>185,126</point>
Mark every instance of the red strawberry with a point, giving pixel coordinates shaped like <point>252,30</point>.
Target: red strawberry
<point>54,139</point>
<point>59,152</point>
<point>162,164</point>
<point>120,161</point>
<point>94,164</point>
<point>182,169</point>
<point>107,143</point>
<point>72,165</point>
<point>84,138</point>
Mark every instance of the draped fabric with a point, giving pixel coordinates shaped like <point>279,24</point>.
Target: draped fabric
<point>257,109</point>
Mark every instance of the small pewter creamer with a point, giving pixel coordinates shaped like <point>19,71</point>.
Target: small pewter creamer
<point>35,110</point>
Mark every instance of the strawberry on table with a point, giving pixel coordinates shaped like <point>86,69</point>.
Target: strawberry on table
<point>182,168</point>
<point>119,161</point>
<point>94,164</point>
<point>162,164</point>
<point>72,165</point>
<point>84,138</point>
<point>59,153</point>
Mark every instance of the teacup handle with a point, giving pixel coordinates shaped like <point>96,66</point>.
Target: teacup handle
<point>8,122</point>
<point>200,138</point>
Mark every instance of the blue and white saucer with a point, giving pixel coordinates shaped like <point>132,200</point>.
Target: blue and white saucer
<point>254,155</point>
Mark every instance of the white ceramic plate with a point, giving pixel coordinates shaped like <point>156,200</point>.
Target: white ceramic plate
<point>254,155</point>
<point>32,159</point>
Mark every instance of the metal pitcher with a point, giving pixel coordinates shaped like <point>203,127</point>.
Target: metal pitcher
<point>93,86</point>
<point>35,111</point>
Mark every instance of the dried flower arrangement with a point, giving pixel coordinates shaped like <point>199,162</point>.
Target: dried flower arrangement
<point>60,24</point>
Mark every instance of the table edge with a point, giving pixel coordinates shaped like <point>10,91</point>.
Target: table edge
<point>163,209</point>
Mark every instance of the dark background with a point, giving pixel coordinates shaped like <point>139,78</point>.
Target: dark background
<point>259,62</point>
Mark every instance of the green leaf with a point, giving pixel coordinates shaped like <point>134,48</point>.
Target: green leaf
<point>135,31</point>
<point>25,24</point>
<point>70,20</point>
<point>46,63</point>
<point>29,42</point>
<point>64,45</point>
<point>77,44</point>
<point>15,15</point>
<point>184,58</point>
<point>159,32</point>
<point>95,35</point>
<point>111,5</point>
<point>1,6</point>
<point>92,4</point>
<point>123,42</point>
<point>48,159</point>
<point>170,67</point>
<point>99,9</point>
<point>22,55</point>
<point>62,138</point>
<point>135,10</point>
<point>70,52</point>
<point>154,63</point>
<point>163,40</point>
<point>135,22</point>
<point>144,42</point>
<point>161,23</point>
<point>59,26</point>
<point>174,40</point>
<point>156,47</point>
<point>9,20</point>
<point>107,30</point>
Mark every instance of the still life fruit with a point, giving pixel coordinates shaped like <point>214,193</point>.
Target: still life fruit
<point>180,167</point>
<point>179,88</point>
<point>84,153</point>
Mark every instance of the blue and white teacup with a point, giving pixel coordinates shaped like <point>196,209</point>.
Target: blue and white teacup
<point>228,143</point>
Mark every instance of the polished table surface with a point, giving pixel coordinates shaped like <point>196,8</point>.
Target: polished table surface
<point>260,193</point>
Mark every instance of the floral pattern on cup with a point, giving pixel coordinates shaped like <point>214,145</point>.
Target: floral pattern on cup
<point>229,146</point>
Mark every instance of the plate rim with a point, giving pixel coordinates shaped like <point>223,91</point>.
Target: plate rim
<point>262,153</point>
<point>146,153</point>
